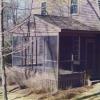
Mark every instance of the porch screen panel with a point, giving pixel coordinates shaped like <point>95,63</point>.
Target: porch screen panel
<point>39,52</point>
<point>69,52</point>
<point>17,54</point>
<point>65,52</point>
<point>22,55</point>
<point>51,51</point>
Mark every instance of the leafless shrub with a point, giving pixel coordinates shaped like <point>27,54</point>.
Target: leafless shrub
<point>15,77</point>
<point>27,78</point>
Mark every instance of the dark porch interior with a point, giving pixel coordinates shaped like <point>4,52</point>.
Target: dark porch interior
<point>79,51</point>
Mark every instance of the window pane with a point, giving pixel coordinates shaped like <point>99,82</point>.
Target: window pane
<point>74,6</point>
<point>43,4</point>
<point>43,8</point>
<point>74,9</point>
<point>99,3</point>
<point>43,12</point>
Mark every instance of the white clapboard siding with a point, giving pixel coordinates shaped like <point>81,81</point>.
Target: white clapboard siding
<point>88,12</point>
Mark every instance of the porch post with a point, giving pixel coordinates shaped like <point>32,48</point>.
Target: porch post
<point>57,62</point>
<point>44,54</point>
<point>12,51</point>
<point>72,60</point>
<point>32,51</point>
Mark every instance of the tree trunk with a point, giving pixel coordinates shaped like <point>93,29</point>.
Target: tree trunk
<point>1,53</point>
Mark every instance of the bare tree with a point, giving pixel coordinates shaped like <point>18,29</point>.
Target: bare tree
<point>2,32</point>
<point>1,54</point>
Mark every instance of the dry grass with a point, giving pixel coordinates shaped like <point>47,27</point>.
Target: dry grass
<point>29,87</point>
<point>16,93</point>
<point>67,94</point>
<point>26,78</point>
<point>91,94</point>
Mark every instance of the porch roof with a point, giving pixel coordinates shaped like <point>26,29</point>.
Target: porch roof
<point>66,23</point>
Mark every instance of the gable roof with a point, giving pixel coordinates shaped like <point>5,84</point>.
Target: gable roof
<point>66,23</point>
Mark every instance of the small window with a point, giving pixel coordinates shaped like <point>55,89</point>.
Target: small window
<point>99,3</point>
<point>43,8</point>
<point>74,7</point>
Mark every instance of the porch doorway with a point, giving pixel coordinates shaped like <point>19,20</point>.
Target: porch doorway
<point>90,58</point>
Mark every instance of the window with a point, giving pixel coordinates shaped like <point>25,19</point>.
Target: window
<point>99,3</point>
<point>43,8</point>
<point>74,7</point>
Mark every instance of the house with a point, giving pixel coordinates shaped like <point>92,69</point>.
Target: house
<point>66,45</point>
<point>86,11</point>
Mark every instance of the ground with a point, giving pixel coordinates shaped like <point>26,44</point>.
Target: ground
<point>92,94</point>
<point>83,93</point>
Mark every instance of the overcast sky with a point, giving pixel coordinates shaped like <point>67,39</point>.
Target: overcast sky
<point>22,3</point>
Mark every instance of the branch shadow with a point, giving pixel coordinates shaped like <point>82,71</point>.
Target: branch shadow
<point>0,92</point>
<point>23,96</point>
<point>13,90</point>
<point>86,97</point>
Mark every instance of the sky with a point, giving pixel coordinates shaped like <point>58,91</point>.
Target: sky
<point>21,14</point>
<point>22,3</point>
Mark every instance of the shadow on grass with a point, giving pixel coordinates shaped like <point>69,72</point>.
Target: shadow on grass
<point>0,95</point>
<point>89,96</point>
<point>13,90</point>
<point>0,92</point>
<point>23,96</point>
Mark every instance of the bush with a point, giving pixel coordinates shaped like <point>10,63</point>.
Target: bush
<point>27,78</point>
